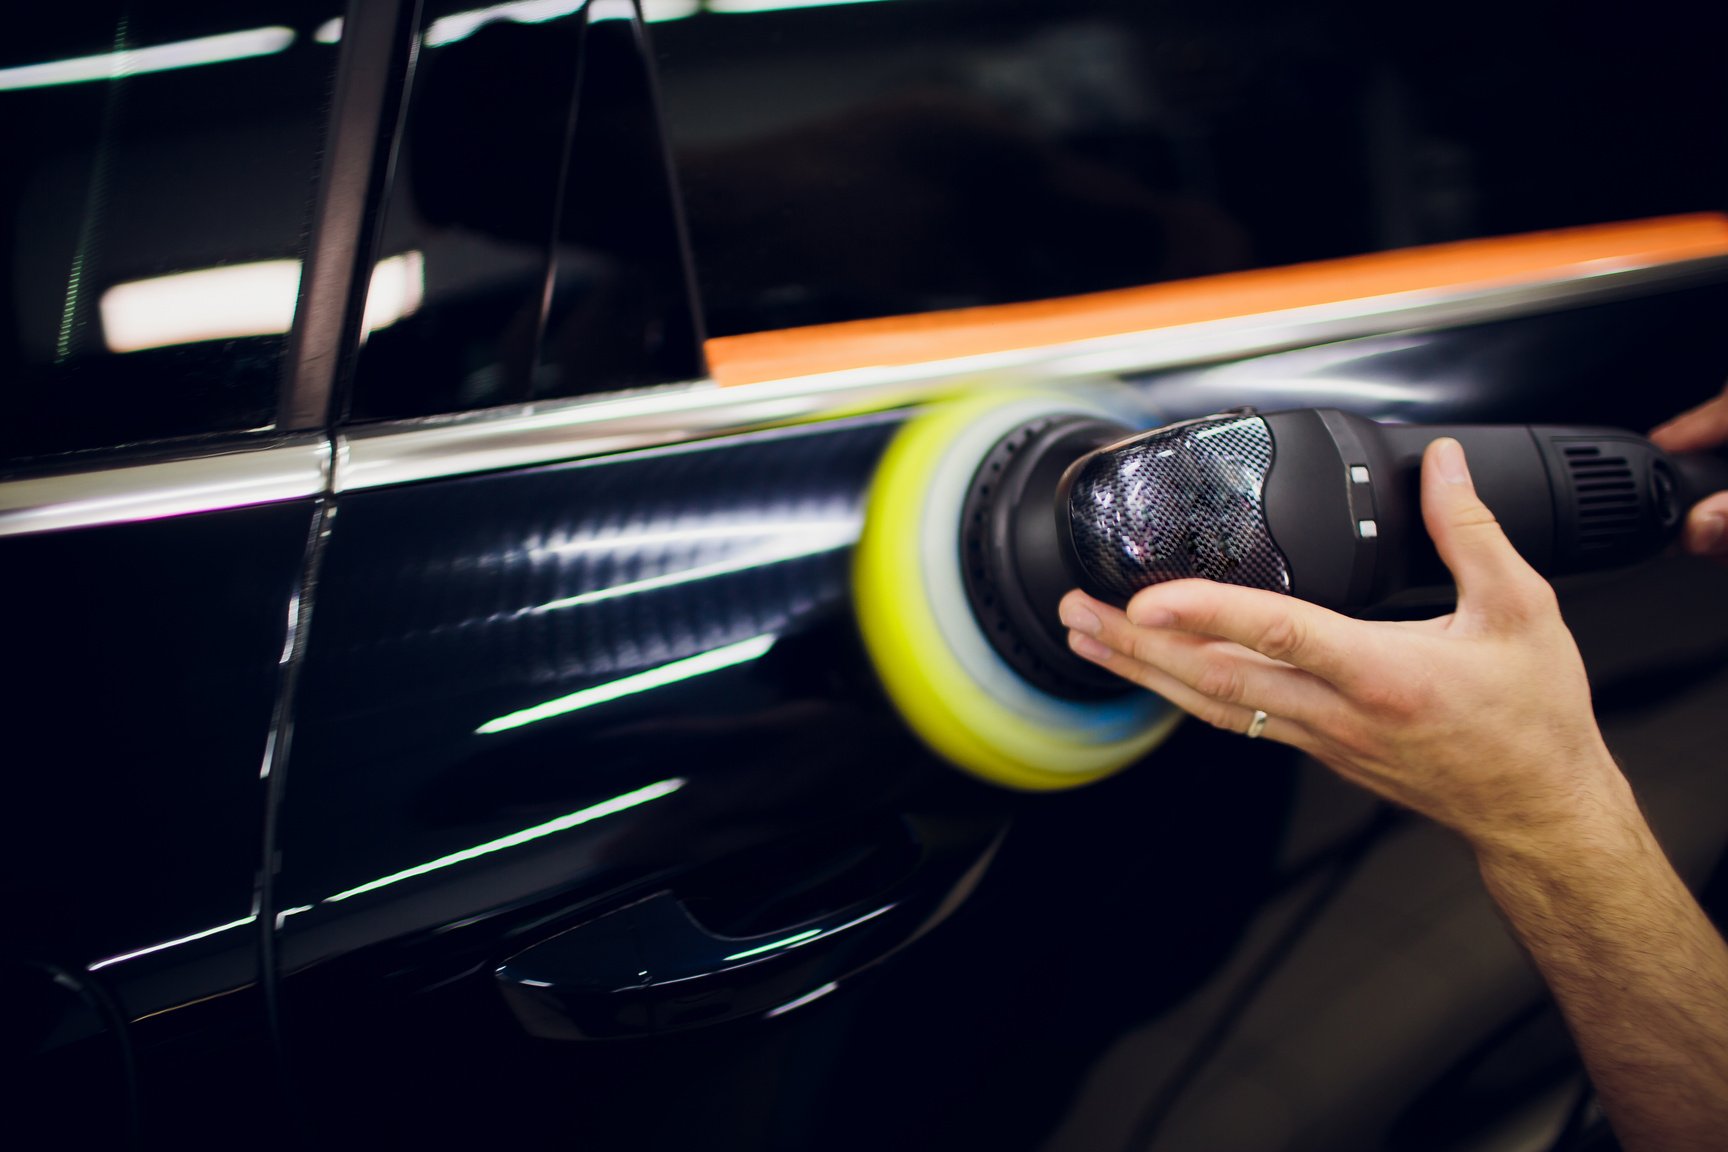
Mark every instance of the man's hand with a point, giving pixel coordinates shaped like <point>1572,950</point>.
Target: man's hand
<point>1480,719</point>
<point>1700,430</point>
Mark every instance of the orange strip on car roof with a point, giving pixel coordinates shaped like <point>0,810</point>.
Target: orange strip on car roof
<point>1536,257</point>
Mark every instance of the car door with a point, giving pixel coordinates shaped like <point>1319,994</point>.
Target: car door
<point>157,499</point>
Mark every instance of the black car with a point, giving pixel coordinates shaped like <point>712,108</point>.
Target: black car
<point>432,445</point>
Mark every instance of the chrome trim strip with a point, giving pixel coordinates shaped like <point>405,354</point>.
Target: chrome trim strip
<point>168,488</point>
<point>392,454</point>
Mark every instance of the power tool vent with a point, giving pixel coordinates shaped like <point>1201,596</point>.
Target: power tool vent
<point>1607,495</point>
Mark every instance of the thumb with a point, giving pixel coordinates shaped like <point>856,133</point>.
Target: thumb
<point>1707,526</point>
<point>1696,429</point>
<point>1491,576</point>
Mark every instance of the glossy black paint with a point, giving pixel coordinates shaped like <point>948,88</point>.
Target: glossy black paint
<point>448,612</point>
<point>653,967</point>
<point>978,1027</point>
<point>433,827</point>
<point>436,615</point>
<point>68,1056</point>
<point>147,657</point>
<point>145,664</point>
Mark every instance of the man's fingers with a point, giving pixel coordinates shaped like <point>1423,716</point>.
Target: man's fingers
<point>1696,430</point>
<point>1707,526</point>
<point>1229,717</point>
<point>1703,428</point>
<point>1286,629</point>
<point>1493,580</point>
<point>1216,669</point>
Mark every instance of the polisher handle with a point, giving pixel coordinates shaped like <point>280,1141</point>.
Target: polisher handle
<point>1326,505</point>
<point>1570,499</point>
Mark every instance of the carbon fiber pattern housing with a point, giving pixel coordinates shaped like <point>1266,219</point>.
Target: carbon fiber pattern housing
<point>1176,502</point>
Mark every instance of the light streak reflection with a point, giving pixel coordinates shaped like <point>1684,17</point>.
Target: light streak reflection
<point>237,300</point>
<point>174,943</point>
<point>799,939</point>
<point>461,25</point>
<point>661,11</point>
<point>562,824</point>
<point>788,942</point>
<point>710,661</point>
<point>158,58</point>
<point>795,546</point>
<point>1387,391</point>
<point>835,527</point>
<point>254,42</point>
<point>799,1002</point>
<point>730,7</point>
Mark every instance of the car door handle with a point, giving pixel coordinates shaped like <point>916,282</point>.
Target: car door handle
<point>651,967</point>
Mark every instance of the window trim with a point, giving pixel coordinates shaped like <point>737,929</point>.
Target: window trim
<point>385,455</point>
<point>135,492</point>
<point>405,452</point>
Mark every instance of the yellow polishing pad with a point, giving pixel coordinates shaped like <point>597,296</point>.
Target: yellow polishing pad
<point>962,699</point>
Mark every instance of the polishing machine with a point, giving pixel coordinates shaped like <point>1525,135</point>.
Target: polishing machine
<point>986,511</point>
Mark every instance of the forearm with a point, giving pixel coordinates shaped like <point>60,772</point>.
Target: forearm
<point>1638,970</point>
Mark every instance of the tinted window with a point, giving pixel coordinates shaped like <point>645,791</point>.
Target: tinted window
<point>157,181</point>
<point>529,248</point>
<point>854,160</point>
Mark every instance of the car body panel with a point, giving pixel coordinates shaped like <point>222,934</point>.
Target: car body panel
<point>142,720</point>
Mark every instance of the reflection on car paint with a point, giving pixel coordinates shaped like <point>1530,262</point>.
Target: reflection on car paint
<point>554,638</point>
<point>561,824</point>
<point>129,62</point>
<point>234,300</point>
<point>711,661</point>
<point>175,943</point>
<point>787,540</point>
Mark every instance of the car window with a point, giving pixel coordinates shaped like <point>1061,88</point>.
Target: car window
<point>159,166</point>
<point>529,245</point>
<point>845,161</point>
